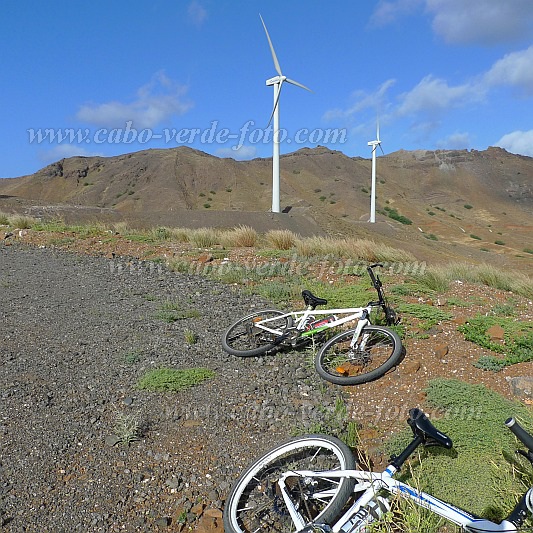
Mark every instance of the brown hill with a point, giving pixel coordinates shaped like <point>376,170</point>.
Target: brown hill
<point>477,205</point>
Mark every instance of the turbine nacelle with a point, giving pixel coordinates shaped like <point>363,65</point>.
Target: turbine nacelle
<point>276,79</point>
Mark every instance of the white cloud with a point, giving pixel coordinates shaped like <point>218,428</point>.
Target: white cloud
<point>242,153</point>
<point>455,141</point>
<point>515,69</point>
<point>517,142</point>
<point>433,96</point>
<point>363,101</point>
<point>63,151</point>
<point>389,11</point>
<point>481,21</point>
<point>156,102</point>
<point>196,13</point>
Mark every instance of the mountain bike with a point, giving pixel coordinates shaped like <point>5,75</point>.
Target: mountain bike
<point>311,484</point>
<point>354,356</point>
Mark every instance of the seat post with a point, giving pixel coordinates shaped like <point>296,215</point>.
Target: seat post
<point>398,460</point>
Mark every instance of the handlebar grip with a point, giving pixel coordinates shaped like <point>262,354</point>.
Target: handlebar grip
<point>521,434</point>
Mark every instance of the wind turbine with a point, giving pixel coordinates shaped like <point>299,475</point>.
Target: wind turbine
<point>276,82</point>
<point>374,145</point>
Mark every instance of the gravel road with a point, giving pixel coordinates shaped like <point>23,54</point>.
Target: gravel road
<point>77,333</point>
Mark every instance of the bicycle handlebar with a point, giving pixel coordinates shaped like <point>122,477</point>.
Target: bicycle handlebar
<point>375,281</point>
<point>520,433</point>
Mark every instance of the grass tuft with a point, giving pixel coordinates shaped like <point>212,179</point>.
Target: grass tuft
<point>281,239</point>
<point>171,380</point>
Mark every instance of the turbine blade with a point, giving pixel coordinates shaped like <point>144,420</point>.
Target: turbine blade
<point>381,148</point>
<point>298,84</point>
<point>275,105</point>
<point>274,57</point>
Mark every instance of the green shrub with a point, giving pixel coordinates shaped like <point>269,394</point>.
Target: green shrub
<point>472,236</point>
<point>393,213</point>
<point>171,380</point>
<point>467,206</point>
<point>425,312</point>
<point>473,417</point>
<point>516,348</point>
<point>499,243</point>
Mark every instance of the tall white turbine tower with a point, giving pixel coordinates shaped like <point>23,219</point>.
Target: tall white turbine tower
<point>276,82</point>
<point>374,145</point>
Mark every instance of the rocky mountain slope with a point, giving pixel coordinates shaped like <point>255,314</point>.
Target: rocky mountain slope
<point>435,203</point>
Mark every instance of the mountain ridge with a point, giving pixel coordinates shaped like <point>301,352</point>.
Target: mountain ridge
<point>481,200</point>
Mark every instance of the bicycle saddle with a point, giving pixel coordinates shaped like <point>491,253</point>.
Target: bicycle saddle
<point>421,425</point>
<point>312,300</point>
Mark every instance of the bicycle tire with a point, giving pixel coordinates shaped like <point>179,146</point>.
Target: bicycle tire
<point>254,503</point>
<point>338,363</point>
<point>242,340</point>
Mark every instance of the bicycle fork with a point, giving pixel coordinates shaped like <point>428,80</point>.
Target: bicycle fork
<point>361,344</point>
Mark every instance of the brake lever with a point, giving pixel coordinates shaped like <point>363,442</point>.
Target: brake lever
<point>528,455</point>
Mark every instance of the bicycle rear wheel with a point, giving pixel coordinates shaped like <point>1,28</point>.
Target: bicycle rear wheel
<point>377,350</point>
<point>256,502</point>
<point>245,339</point>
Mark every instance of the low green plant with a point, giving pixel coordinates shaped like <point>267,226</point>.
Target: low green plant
<point>172,380</point>
<point>127,428</point>
<point>472,236</point>
<point>431,236</point>
<point>22,222</point>
<point>190,336</point>
<point>172,311</point>
<point>132,357</point>
<point>499,243</point>
<point>393,213</point>
<point>467,206</point>
<point>425,312</point>
<point>516,348</point>
<point>473,416</point>
<point>4,219</point>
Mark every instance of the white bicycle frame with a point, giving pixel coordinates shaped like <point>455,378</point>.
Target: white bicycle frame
<point>371,483</point>
<point>301,318</point>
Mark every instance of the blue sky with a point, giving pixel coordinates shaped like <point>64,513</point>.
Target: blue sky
<point>106,78</point>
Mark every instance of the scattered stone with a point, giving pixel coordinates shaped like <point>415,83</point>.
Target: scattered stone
<point>410,367</point>
<point>191,423</point>
<point>521,386</point>
<point>205,258</point>
<point>213,513</point>
<point>112,440</point>
<point>441,350</point>
<point>163,522</point>
<point>496,333</point>
<point>128,400</point>
<point>208,524</point>
<point>198,509</point>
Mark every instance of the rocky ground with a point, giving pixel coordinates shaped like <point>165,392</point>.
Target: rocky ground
<point>78,331</point>
<point>77,334</point>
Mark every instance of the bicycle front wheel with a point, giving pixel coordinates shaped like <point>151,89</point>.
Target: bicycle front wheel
<point>256,502</point>
<point>244,338</point>
<point>377,350</point>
